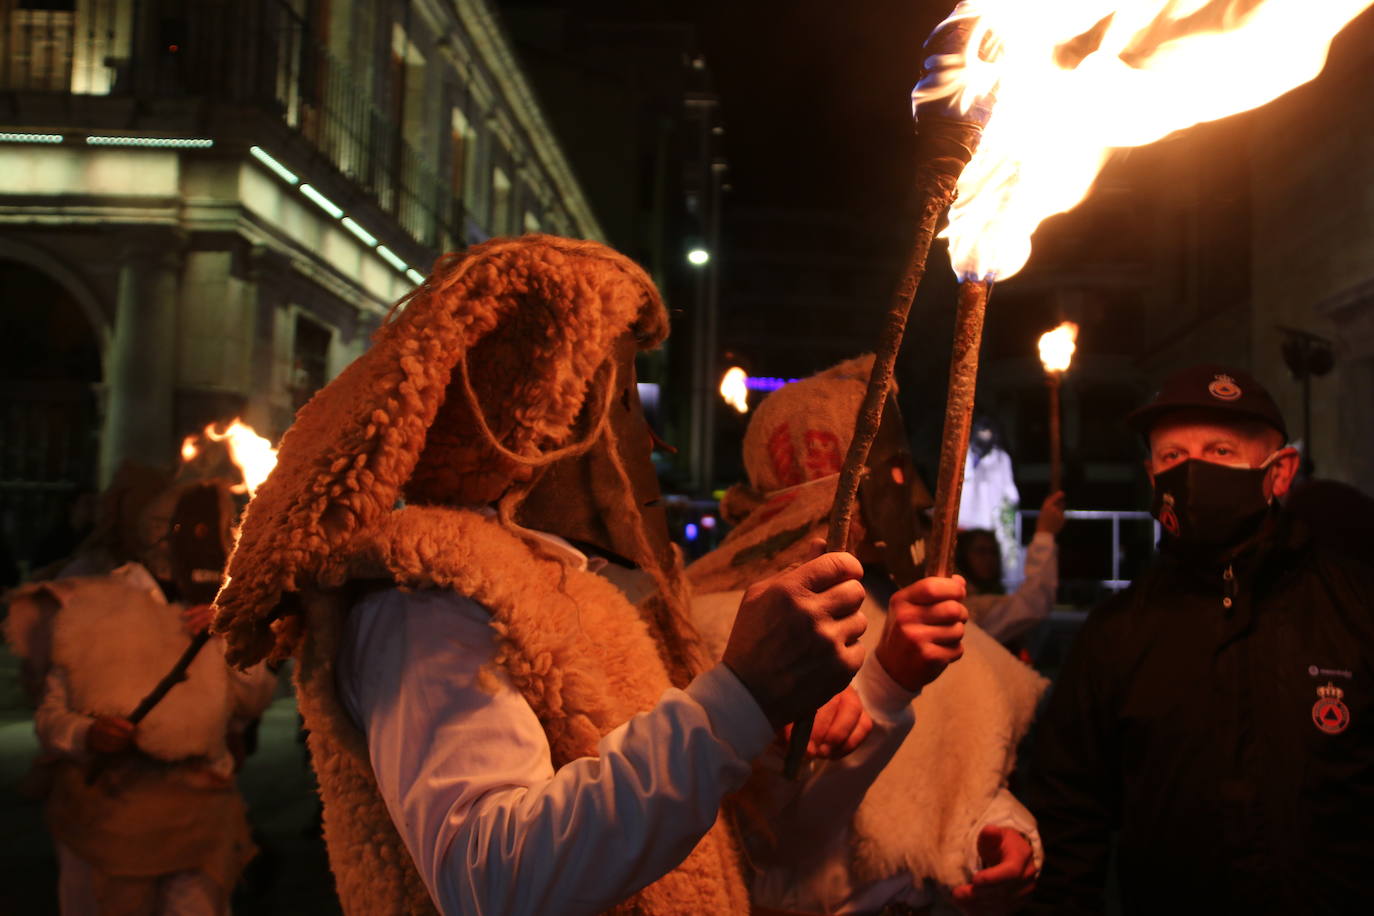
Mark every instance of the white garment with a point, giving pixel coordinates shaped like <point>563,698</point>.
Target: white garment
<point>62,730</point>
<point>804,864</point>
<point>989,499</point>
<point>181,893</point>
<point>466,772</point>
<point>1005,617</point>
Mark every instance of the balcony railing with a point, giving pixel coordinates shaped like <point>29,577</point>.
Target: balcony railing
<point>1144,530</point>
<point>257,53</point>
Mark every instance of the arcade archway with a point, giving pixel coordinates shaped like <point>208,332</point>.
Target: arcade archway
<point>50,367</point>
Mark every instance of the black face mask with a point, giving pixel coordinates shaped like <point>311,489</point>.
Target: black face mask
<point>1206,507</point>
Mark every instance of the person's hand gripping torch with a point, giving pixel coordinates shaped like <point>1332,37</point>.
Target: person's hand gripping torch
<point>947,135</point>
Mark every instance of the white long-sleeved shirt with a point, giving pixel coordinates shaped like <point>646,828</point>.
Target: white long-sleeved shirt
<point>1005,617</point>
<point>466,773</point>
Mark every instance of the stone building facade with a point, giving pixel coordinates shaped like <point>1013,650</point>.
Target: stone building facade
<point>206,208</point>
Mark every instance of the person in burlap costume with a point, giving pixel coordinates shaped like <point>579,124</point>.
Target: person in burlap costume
<point>449,545</point>
<point>146,818</point>
<point>937,826</point>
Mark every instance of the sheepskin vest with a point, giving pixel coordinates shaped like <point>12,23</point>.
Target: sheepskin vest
<point>920,814</point>
<point>115,637</point>
<point>578,652</point>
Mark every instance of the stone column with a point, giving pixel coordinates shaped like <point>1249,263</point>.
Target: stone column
<point>141,370</point>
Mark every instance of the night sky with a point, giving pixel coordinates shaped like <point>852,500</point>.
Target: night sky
<point>815,95</point>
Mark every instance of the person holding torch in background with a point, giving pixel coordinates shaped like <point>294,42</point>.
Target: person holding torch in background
<point>977,553</point>
<point>935,821</point>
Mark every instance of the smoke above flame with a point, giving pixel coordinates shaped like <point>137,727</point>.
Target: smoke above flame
<point>1057,346</point>
<point>1076,81</point>
<point>253,455</point>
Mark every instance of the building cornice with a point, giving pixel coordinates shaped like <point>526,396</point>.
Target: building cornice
<point>490,43</point>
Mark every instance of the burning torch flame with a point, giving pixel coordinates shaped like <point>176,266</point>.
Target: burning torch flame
<point>1057,346</point>
<point>252,454</point>
<point>1078,80</point>
<point>734,387</point>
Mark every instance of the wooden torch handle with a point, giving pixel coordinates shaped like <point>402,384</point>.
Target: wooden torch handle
<point>946,147</point>
<point>963,381</point>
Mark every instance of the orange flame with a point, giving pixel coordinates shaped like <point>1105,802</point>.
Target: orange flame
<point>734,388</point>
<point>189,449</point>
<point>1057,346</point>
<point>1078,80</point>
<point>252,454</point>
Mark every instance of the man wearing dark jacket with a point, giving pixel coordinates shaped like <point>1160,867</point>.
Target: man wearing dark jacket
<point>1217,718</point>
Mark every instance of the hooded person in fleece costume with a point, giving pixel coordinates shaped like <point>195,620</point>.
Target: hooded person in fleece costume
<point>495,725</point>
<point>146,818</point>
<point>937,824</point>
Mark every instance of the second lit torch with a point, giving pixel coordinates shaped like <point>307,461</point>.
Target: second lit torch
<point>1056,352</point>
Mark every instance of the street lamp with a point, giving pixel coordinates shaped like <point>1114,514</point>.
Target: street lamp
<point>698,257</point>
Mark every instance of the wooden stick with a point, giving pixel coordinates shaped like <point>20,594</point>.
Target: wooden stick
<point>175,676</point>
<point>963,382</point>
<point>1056,444</point>
<point>946,147</point>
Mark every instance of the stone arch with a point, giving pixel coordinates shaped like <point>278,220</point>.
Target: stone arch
<point>54,345</point>
<point>48,264</point>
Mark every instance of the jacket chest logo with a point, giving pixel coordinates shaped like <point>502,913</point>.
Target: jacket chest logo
<point>1329,713</point>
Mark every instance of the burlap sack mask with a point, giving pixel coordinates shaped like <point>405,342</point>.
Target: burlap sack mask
<point>793,450</point>
<point>503,342</point>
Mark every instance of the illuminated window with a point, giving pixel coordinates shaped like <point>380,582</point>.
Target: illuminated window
<point>500,202</point>
<point>462,149</point>
<point>309,359</point>
<point>38,44</point>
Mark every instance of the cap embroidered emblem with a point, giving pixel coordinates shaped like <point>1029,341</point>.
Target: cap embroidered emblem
<point>1329,714</point>
<point>1224,388</point>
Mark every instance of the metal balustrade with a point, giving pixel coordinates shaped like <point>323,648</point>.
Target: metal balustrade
<point>255,53</point>
<point>1114,582</point>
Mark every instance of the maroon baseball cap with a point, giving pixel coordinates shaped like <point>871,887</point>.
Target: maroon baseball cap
<point>1222,389</point>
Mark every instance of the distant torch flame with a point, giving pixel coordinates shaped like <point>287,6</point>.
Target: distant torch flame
<point>1077,80</point>
<point>1057,346</point>
<point>253,455</point>
<point>734,387</point>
